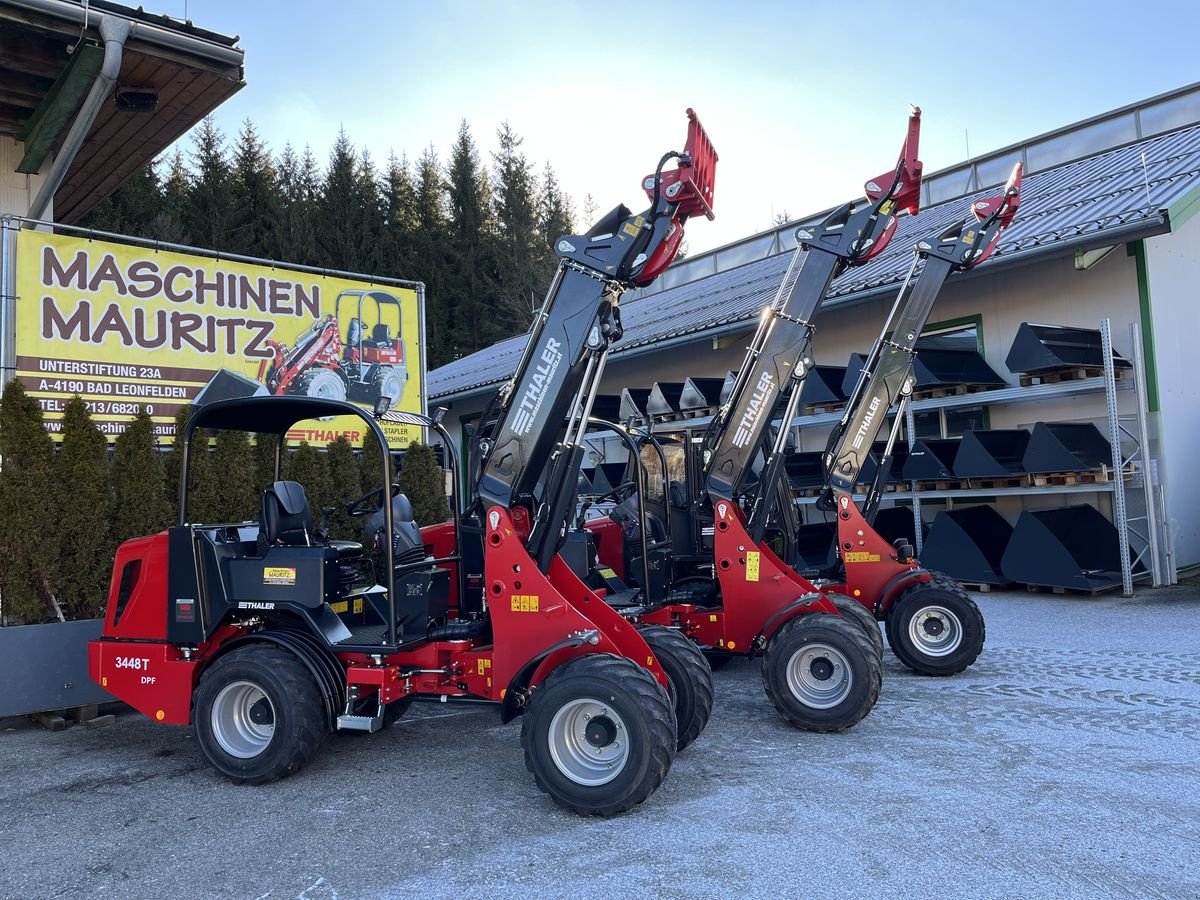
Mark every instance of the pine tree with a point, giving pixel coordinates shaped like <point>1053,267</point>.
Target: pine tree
<point>173,459</point>
<point>29,557</point>
<point>371,464</point>
<point>344,480</point>
<point>431,255</point>
<point>471,283</point>
<point>254,187</point>
<point>176,186</point>
<point>210,201</point>
<point>138,504</point>
<point>520,255</point>
<point>424,483</point>
<point>591,212</point>
<point>82,528</point>
<point>299,186</point>
<point>233,477</point>
<point>394,252</point>
<point>310,467</point>
<point>341,209</point>
<point>264,461</point>
<point>133,208</point>
<point>554,212</point>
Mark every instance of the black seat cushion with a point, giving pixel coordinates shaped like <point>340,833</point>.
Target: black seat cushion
<point>285,515</point>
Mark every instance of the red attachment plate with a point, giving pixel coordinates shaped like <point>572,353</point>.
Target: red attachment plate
<point>908,170</point>
<point>691,185</point>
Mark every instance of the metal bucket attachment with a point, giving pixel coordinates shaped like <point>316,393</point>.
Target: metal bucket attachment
<point>968,544</point>
<point>991,454</point>
<point>1047,348</point>
<point>931,460</point>
<point>823,386</point>
<point>1066,447</point>
<point>664,399</point>
<point>1072,547</point>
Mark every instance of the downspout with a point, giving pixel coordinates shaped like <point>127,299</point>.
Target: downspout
<point>114,32</point>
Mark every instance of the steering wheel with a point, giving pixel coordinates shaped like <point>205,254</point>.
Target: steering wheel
<point>619,494</point>
<point>367,505</point>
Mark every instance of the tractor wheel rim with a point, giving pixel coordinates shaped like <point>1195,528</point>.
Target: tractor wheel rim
<point>392,388</point>
<point>588,742</point>
<point>819,676</point>
<point>243,719</point>
<point>935,631</point>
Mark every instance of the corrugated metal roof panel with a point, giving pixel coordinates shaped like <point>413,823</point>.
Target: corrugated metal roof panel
<point>1066,205</point>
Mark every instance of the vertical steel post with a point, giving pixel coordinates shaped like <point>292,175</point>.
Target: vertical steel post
<point>1148,469</point>
<point>1120,516</point>
<point>8,295</point>
<point>910,433</point>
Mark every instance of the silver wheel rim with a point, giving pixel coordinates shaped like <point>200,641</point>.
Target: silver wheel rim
<point>233,719</point>
<point>819,676</point>
<point>581,758</point>
<point>935,631</point>
<point>327,385</point>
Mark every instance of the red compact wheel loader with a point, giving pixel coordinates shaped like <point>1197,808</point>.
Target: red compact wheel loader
<point>266,636</point>
<point>820,670</point>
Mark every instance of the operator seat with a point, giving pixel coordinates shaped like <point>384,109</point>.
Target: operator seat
<point>286,520</point>
<point>381,336</point>
<point>407,546</point>
<point>354,333</point>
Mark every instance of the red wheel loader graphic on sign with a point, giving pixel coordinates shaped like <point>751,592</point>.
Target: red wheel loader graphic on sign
<point>368,364</point>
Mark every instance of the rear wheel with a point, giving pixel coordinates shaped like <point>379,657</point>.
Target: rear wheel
<point>388,383</point>
<point>934,628</point>
<point>258,714</point>
<point>690,677</point>
<point>861,616</point>
<point>599,734</point>
<point>821,673</point>
<point>324,383</point>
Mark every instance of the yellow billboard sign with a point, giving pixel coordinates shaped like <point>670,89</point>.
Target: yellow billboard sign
<point>125,326</point>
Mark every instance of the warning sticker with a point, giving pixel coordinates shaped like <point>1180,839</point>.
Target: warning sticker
<point>607,573</point>
<point>278,575</point>
<point>525,603</point>
<point>752,565</point>
<point>861,556</point>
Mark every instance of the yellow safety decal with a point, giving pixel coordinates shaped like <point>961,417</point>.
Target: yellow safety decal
<point>630,229</point>
<point>481,665</point>
<point>607,573</point>
<point>752,565</point>
<point>969,237</point>
<point>886,207</point>
<point>639,221</point>
<point>358,605</point>
<point>340,607</point>
<point>278,575</point>
<point>525,603</point>
<point>712,618</point>
<point>862,556</point>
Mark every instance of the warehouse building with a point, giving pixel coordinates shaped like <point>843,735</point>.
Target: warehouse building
<point>1104,237</point>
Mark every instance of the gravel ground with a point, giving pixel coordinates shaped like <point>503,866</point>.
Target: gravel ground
<point>1063,764</point>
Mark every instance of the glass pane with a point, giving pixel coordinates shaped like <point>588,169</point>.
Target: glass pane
<point>960,420</point>
<point>962,338</point>
<point>927,424</point>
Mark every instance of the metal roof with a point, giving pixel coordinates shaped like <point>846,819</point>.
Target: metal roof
<point>1117,195</point>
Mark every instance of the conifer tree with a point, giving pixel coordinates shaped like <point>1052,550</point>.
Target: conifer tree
<point>424,483</point>
<point>132,209</point>
<point>299,186</point>
<point>394,252</point>
<point>340,208</point>
<point>471,284</point>
<point>210,201</point>
<point>264,461</point>
<point>254,188</point>
<point>371,464</point>
<point>28,557</point>
<point>173,459</point>
<point>519,242</point>
<point>344,480</point>
<point>430,250</point>
<point>310,467</point>
<point>176,186</point>
<point>590,212</point>
<point>83,498</point>
<point>554,217</point>
<point>138,504</point>
<point>233,477</point>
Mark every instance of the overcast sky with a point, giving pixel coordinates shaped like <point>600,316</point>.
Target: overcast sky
<point>803,101</point>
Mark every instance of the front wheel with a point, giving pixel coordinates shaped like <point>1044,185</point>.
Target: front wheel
<point>860,615</point>
<point>599,734</point>
<point>821,673</point>
<point>690,677</point>
<point>258,714</point>
<point>934,628</point>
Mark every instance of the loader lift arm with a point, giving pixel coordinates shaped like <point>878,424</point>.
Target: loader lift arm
<point>560,369</point>
<point>886,379</point>
<point>777,360</point>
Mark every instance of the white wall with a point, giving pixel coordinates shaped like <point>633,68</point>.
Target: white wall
<point>1173,267</point>
<point>16,190</point>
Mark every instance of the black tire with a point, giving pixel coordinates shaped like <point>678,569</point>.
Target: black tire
<point>690,677</point>
<point>717,659</point>
<point>631,702</point>
<point>840,655</point>
<point>861,616</point>
<point>934,628</point>
<point>258,714</point>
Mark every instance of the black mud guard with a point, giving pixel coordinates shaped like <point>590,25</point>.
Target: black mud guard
<point>897,583</point>
<point>509,707</point>
<point>321,664</point>
<point>777,621</point>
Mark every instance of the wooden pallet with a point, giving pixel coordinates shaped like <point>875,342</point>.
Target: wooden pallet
<point>982,587</point>
<point>1103,475</point>
<point>1006,481</point>
<point>1076,373</point>
<point>950,390</point>
<point>819,409</point>
<point>941,484</point>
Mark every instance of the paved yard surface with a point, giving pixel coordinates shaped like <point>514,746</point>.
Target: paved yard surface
<point>1065,763</point>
